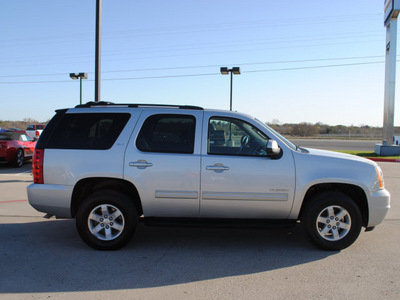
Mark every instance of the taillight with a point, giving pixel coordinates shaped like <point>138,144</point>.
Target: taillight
<point>37,166</point>
<point>37,133</point>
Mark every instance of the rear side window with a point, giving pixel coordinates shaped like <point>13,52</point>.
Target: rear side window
<point>88,131</point>
<point>167,134</point>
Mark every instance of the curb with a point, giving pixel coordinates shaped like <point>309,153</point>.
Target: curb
<point>384,159</point>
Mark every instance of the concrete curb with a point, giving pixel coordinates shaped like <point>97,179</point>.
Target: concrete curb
<point>384,159</point>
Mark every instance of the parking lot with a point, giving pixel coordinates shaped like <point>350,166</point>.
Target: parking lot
<point>42,259</point>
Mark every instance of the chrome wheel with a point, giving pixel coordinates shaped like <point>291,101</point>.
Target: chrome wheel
<point>19,159</point>
<point>333,223</point>
<point>106,222</point>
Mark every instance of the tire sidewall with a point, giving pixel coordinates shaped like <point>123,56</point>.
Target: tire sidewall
<point>120,201</point>
<point>320,202</point>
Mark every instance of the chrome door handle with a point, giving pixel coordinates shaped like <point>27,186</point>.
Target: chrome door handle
<point>141,164</point>
<point>217,167</point>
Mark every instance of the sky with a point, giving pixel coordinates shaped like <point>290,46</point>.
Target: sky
<point>301,61</point>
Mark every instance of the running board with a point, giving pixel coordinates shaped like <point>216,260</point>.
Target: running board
<point>216,223</point>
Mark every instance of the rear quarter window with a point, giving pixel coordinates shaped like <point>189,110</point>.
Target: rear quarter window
<point>92,131</point>
<point>167,134</point>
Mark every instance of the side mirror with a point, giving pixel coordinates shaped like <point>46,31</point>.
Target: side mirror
<point>273,148</point>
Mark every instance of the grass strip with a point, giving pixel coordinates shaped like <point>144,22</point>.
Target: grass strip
<point>367,154</point>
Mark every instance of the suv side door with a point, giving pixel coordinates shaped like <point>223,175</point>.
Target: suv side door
<point>238,179</point>
<point>163,161</point>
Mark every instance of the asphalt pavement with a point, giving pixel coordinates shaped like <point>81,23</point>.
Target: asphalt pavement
<point>45,259</point>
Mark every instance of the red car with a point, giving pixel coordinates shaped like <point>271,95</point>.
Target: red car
<point>16,147</point>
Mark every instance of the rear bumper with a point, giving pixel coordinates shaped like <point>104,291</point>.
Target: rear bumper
<point>51,199</point>
<point>379,205</point>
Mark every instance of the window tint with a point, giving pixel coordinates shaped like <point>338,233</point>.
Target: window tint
<point>88,131</point>
<point>229,136</point>
<point>167,134</point>
<point>25,138</point>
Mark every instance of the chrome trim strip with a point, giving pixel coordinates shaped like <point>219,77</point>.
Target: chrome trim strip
<point>246,196</point>
<point>177,194</point>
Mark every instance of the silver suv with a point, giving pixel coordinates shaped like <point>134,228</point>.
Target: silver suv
<point>110,166</point>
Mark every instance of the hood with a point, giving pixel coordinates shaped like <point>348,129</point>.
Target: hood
<point>332,154</point>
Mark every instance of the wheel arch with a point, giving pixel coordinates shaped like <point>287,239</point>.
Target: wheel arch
<point>87,186</point>
<point>356,193</point>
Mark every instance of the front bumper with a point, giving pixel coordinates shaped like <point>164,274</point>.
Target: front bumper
<point>378,205</point>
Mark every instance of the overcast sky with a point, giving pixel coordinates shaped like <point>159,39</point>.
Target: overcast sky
<point>301,61</point>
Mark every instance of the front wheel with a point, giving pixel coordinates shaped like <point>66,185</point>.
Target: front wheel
<point>332,220</point>
<point>106,220</point>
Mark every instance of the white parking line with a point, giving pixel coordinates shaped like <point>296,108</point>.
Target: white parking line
<point>19,174</point>
<point>26,172</point>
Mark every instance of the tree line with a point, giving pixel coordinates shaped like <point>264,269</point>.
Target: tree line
<point>21,125</point>
<point>323,130</point>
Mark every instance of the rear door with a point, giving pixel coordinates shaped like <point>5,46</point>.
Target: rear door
<point>163,162</point>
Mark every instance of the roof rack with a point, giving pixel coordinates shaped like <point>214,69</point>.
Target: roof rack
<point>104,103</point>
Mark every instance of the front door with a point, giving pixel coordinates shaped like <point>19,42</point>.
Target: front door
<point>238,179</point>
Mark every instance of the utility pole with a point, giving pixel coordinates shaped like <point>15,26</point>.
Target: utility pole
<point>97,67</point>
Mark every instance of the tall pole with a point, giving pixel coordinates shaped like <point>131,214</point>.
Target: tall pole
<point>390,82</point>
<point>231,91</point>
<point>98,51</point>
<point>80,79</point>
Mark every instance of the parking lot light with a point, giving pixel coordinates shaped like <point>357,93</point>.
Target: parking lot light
<point>80,76</point>
<point>226,71</point>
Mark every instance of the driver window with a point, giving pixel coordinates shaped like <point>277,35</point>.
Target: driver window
<point>229,136</point>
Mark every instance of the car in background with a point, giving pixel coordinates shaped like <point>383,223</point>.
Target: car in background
<point>35,130</point>
<point>16,147</point>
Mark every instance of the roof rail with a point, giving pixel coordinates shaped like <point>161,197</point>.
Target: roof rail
<point>104,103</point>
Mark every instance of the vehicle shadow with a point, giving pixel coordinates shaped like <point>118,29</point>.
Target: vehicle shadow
<point>48,256</point>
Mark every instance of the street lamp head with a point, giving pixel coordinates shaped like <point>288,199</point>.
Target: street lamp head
<point>78,75</point>
<point>236,70</point>
<point>224,71</point>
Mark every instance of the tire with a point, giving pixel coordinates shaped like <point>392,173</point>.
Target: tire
<point>19,158</point>
<point>106,220</point>
<point>332,220</point>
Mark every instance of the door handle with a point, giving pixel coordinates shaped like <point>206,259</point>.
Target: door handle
<point>141,164</point>
<point>217,167</point>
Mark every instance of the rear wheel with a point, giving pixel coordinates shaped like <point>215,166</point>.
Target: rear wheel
<point>106,220</point>
<point>19,158</point>
<point>332,220</point>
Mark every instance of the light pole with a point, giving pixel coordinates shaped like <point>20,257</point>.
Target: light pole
<point>226,71</point>
<point>97,66</point>
<point>80,76</point>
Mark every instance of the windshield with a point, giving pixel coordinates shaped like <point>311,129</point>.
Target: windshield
<point>281,137</point>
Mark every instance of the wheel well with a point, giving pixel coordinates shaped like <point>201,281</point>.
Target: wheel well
<point>354,192</point>
<point>87,186</point>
